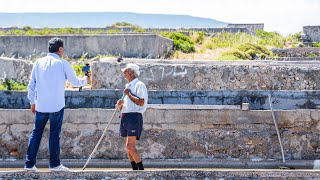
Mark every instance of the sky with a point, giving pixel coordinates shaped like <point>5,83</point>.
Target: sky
<point>284,16</point>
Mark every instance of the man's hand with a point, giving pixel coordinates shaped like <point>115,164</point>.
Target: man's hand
<point>33,108</point>
<point>88,79</point>
<point>126,91</point>
<point>120,104</point>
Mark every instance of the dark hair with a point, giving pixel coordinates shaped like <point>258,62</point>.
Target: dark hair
<point>54,44</point>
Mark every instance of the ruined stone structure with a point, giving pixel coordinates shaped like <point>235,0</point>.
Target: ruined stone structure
<point>129,45</point>
<point>313,32</point>
<point>297,52</point>
<point>15,69</point>
<point>251,27</point>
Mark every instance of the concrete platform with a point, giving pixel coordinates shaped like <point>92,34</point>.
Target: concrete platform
<point>172,163</point>
<point>220,174</point>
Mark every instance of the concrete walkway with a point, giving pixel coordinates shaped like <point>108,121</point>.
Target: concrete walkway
<point>163,174</point>
<point>173,163</point>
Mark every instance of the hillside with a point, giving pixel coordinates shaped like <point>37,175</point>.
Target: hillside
<point>102,19</point>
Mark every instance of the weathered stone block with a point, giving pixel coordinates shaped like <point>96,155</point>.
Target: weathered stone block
<point>210,75</point>
<point>124,45</point>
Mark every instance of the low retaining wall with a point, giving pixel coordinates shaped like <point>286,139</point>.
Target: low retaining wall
<point>297,52</point>
<point>126,45</point>
<point>211,75</point>
<point>285,100</point>
<point>174,134</point>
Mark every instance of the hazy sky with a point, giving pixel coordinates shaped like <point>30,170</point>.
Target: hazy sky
<point>285,16</point>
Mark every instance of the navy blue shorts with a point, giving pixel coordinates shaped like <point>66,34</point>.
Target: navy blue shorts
<point>131,125</point>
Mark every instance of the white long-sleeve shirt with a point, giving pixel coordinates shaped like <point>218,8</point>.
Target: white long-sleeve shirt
<point>46,87</point>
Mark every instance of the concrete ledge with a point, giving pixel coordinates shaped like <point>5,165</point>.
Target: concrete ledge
<point>167,174</point>
<point>173,163</point>
<point>190,106</point>
<point>107,98</point>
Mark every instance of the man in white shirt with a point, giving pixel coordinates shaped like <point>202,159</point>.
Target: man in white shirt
<point>132,107</point>
<point>46,95</point>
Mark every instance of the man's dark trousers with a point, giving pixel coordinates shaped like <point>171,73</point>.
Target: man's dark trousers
<point>41,120</point>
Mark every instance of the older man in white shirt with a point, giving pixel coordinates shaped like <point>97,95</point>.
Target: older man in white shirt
<point>132,107</point>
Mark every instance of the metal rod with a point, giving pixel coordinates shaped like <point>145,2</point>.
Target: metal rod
<point>275,124</point>
<point>104,132</point>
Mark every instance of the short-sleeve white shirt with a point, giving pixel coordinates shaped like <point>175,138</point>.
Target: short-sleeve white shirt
<point>138,89</point>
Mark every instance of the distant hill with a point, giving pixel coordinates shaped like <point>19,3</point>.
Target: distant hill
<point>103,19</point>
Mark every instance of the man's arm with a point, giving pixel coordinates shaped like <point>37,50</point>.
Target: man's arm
<point>72,78</point>
<point>31,90</point>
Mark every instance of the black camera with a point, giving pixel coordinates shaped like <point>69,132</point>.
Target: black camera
<point>86,69</point>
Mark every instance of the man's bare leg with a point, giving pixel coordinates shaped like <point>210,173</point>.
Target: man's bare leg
<point>132,151</point>
<point>133,163</point>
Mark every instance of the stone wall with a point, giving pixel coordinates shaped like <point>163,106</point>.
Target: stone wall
<point>207,30</point>
<point>15,69</point>
<point>174,134</point>
<point>312,32</point>
<point>121,29</point>
<point>211,75</point>
<point>297,52</point>
<point>258,100</point>
<point>192,75</point>
<point>126,45</point>
<point>251,27</point>
<point>246,29</point>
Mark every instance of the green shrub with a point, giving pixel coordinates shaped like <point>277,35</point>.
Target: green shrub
<point>222,40</point>
<point>227,57</point>
<point>316,44</point>
<point>113,31</point>
<point>293,39</point>
<point>181,42</point>
<point>78,69</point>
<point>139,30</point>
<point>200,37</point>
<point>271,38</point>
<point>262,56</point>
<point>2,87</point>
<point>226,39</point>
<point>254,49</point>
<point>27,28</point>
<point>12,85</point>
<point>312,55</point>
<point>237,53</point>
<point>121,24</point>
<point>251,52</point>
